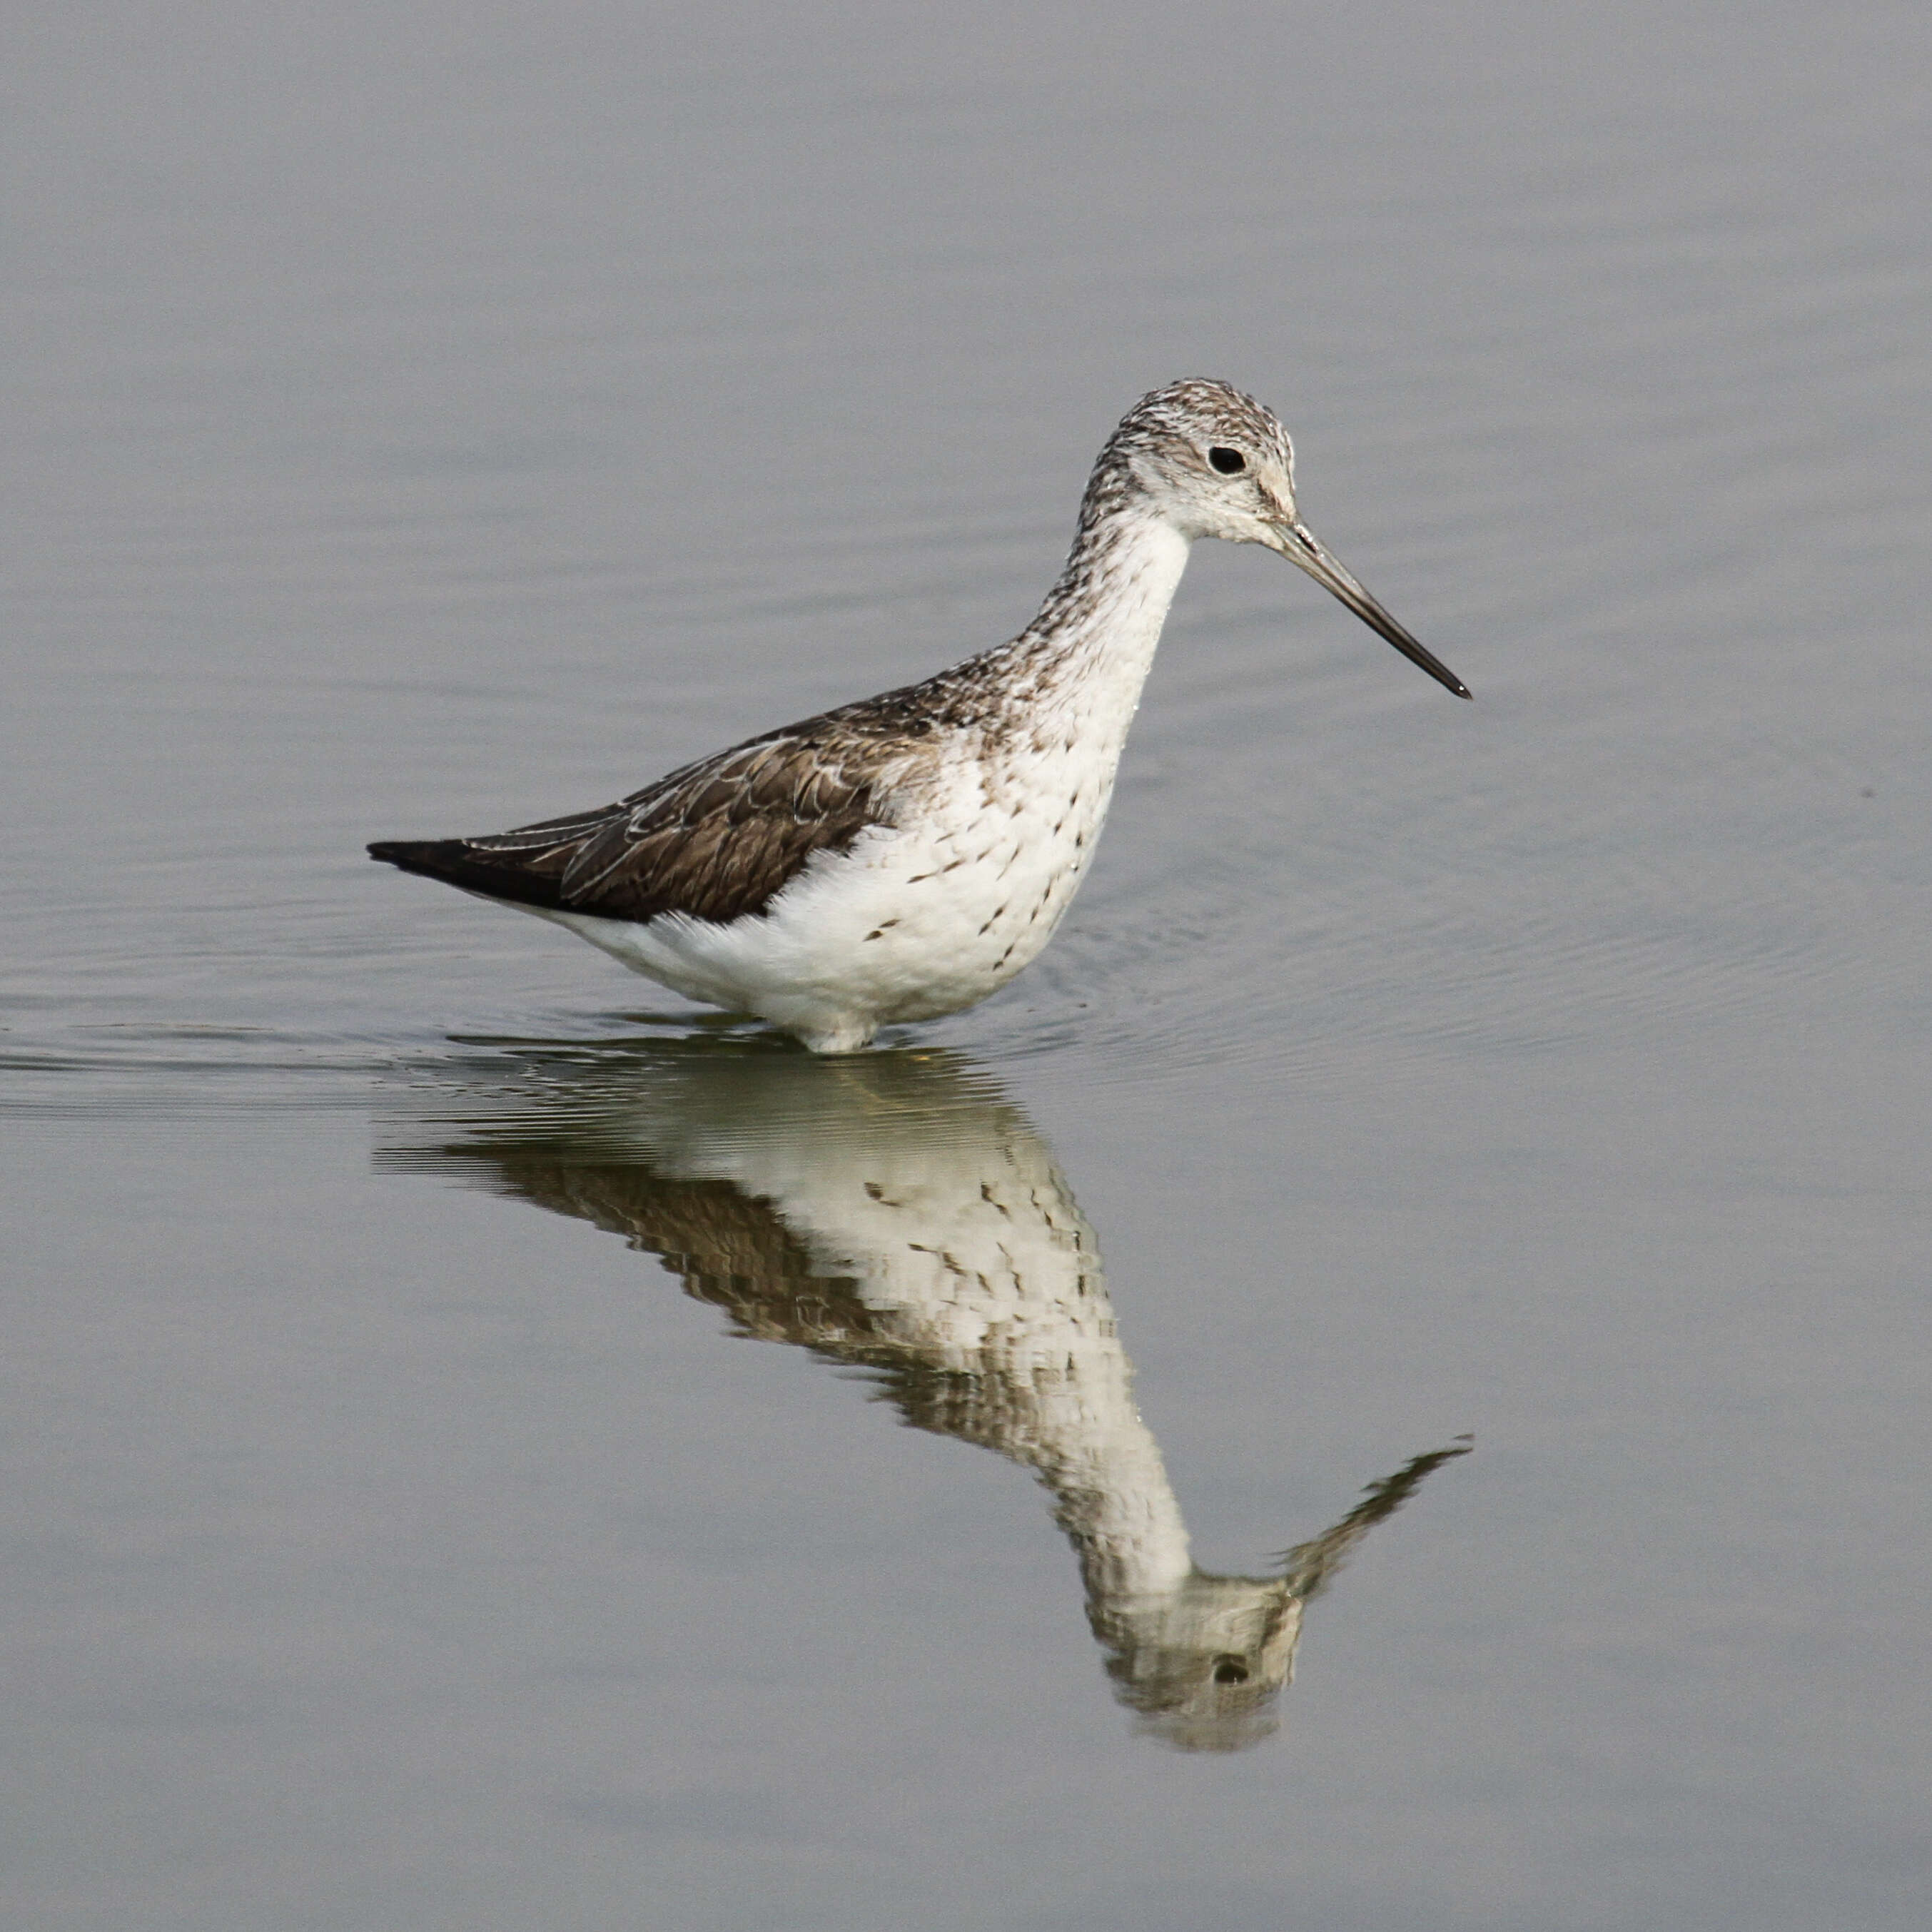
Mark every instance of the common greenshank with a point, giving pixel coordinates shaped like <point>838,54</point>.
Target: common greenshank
<point>904,856</point>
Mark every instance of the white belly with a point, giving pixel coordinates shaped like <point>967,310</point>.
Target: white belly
<point>908,924</point>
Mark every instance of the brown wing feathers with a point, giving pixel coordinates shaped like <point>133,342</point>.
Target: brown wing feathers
<point>716,841</point>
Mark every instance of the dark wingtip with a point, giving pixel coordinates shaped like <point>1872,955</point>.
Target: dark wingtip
<point>434,857</point>
<point>455,862</point>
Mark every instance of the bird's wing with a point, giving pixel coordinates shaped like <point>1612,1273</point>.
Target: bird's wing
<point>715,840</point>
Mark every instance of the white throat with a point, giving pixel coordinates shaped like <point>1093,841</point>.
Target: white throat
<point>1113,595</point>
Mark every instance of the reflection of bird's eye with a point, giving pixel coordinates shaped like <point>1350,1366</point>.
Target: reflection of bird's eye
<point>1230,1670</point>
<point>1229,462</point>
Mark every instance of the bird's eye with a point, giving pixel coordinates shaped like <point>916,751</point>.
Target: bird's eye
<point>1229,462</point>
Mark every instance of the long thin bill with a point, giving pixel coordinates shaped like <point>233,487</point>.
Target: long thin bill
<point>1301,548</point>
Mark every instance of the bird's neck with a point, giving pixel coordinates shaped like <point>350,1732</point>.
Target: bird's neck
<point>1093,641</point>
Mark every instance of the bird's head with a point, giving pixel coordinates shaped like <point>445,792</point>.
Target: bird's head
<point>1214,463</point>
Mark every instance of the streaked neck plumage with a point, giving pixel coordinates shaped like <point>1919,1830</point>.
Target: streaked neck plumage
<point>1092,642</point>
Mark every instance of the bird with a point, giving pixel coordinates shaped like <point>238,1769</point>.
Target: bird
<point>902,857</point>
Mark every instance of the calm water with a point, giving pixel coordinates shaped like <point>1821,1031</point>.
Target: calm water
<point>489,1447</point>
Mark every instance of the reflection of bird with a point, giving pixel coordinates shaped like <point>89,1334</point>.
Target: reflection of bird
<point>904,856</point>
<point>897,1213</point>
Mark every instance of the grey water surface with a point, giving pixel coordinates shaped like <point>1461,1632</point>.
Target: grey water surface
<point>488,1447</point>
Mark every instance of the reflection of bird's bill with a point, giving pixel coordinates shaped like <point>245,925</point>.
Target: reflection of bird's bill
<point>1308,1566</point>
<point>1297,544</point>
